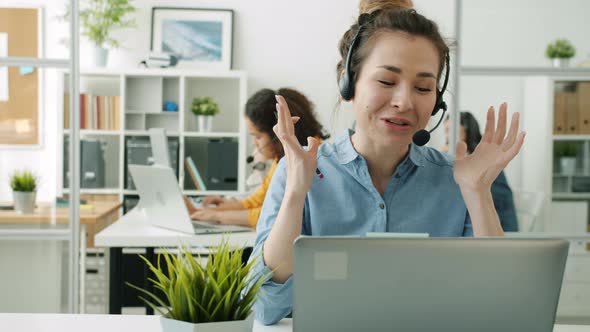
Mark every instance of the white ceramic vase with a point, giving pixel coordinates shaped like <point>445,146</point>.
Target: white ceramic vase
<point>568,165</point>
<point>171,325</point>
<point>24,201</point>
<point>561,62</point>
<point>205,123</point>
<point>101,55</point>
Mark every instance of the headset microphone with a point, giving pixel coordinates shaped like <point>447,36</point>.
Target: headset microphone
<point>422,136</point>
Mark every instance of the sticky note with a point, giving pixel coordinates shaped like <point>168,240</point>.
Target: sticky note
<point>26,70</point>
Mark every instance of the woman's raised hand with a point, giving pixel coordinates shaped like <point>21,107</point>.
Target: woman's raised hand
<point>301,164</point>
<point>477,171</point>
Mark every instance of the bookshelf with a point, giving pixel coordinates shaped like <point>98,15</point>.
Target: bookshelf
<point>541,163</point>
<point>130,102</point>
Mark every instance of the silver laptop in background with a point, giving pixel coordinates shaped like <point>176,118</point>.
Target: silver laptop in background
<point>162,201</point>
<point>435,284</point>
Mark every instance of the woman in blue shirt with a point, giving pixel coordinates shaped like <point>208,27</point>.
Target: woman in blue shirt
<point>375,179</point>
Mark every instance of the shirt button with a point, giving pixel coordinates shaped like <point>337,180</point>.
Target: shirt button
<point>382,206</point>
<point>397,176</point>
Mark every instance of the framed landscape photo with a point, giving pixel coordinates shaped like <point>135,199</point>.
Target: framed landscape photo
<point>201,38</point>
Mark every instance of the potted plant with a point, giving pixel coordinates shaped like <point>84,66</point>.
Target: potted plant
<point>98,18</point>
<point>24,191</point>
<point>213,296</point>
<point>204,108</point>
<point>566,153</point>
<point>560,51</point>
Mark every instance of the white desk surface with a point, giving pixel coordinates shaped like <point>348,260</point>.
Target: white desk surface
<point>134,230</point>
<point>126,323</point>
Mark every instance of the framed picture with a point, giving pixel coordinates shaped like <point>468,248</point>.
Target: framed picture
<point>201,38</point>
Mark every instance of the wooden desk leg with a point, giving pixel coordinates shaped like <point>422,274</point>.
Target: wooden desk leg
<point>115,280</point>
<point>148,285</point>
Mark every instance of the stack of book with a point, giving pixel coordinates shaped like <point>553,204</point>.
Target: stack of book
<point>96,112</point>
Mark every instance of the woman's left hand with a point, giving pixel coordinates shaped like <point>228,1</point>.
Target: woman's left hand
<point>206,215</point>
<point>477,171</point>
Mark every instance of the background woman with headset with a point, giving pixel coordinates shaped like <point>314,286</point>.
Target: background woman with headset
<point>379,178</point>
<point>260,118</point>
<point>501,192</point>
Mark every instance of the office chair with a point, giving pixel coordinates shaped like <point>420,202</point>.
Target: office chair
<point>528,208</point>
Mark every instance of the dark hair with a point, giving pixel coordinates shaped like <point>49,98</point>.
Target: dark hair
<point>387,18</point>
<point>260,109</point>
<point>471,127</point>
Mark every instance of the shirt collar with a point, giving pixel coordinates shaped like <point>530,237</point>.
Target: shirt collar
<point>344,149</point>
<point>346,152</point>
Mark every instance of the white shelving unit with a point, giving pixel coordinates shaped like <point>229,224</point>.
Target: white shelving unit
<point>142,94</point>
<point>539,172</point>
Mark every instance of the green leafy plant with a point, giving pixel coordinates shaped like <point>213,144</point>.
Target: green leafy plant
<point>561,48</point>
<point>204,106</point>
<point>564,150</point>
<point>99,17</point>
<point>23,181</point>
<point>222,290</point>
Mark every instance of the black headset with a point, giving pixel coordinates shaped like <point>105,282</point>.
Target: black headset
<point>346,83</point>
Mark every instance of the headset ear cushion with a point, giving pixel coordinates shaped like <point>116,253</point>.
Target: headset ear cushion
<point>346,90</point>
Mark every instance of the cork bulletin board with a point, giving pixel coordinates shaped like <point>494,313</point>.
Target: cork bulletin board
<point>19,87</point>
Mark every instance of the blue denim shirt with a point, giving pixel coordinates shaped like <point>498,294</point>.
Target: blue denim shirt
<point>421,197</point>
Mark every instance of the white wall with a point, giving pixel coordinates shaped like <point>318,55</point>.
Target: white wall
<point>515,33</point>
<point>293,43</point>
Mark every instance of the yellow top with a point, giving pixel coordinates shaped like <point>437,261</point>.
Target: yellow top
<point>254,203</point>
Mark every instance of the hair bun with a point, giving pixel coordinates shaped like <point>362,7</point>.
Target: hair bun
<point>369,6</point>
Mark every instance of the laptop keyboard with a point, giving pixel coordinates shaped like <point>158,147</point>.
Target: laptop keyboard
<point>202,226</point>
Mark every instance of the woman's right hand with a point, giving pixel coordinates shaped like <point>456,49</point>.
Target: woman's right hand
<point>212,200</point>
<point>301,164</point>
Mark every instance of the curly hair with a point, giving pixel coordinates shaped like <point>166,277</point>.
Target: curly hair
<point>260,110</point>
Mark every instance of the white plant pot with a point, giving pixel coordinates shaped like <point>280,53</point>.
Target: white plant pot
<point>100,56</point>
<point>171,325</point>
<point>24,202</point>
<point>561,62</point>
<point>568,165</point>
<point>205,123</point>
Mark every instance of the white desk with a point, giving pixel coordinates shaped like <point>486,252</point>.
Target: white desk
<point>126,323</point>
<point>134,230</point>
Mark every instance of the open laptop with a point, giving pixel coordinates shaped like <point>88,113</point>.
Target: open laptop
<point>162,202</point>
<point>455,285</point>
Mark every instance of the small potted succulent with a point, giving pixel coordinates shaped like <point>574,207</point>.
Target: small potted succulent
<point>194,296</point>
<point>204,108</point>
<point>566,153</point>
<point>24,191</point>
<point>560,51</point>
